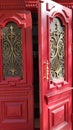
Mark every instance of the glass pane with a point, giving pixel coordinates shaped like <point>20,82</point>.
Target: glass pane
<point>57,45</point>
<point>12,50</point>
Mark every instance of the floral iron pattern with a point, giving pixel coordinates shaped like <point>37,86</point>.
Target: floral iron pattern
<point>57,46</point>
<point>12,50</point>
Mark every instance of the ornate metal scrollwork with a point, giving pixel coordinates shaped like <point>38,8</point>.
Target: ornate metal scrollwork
<point>12,50</point>
<point>57,45</point>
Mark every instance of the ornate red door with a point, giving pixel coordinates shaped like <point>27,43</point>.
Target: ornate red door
<point>55,62</point>
<point>16,90</point>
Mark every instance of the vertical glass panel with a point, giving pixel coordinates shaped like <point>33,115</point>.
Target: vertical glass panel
<point>12,50</point>
<point>57,54</point>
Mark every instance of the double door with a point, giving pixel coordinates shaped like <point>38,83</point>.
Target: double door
<point>55,68</point>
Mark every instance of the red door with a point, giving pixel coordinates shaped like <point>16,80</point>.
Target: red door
<point>16,90</point>
<point>55,66</point>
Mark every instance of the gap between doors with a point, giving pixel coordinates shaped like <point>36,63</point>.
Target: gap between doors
<point>35,69</point>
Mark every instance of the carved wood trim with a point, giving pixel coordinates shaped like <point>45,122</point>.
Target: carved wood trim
<point>18,5</point>
<point>67,3</point>
<point>31,4</point>
<point>28,4</point>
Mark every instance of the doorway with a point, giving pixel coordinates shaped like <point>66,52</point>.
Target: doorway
<point>35,69</point>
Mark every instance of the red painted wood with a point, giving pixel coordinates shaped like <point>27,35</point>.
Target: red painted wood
<point>16,95</point>
<point>29,4</point>
<point>55,97</point>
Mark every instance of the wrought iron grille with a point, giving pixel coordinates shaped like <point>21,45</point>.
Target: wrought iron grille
<point>57,47</point>
<point>12,50</point>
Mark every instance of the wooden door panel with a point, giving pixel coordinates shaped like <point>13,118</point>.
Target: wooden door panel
<point>59,106</point>
<point>16,89</point>
<point>55,49</point>
<point>15,112</point>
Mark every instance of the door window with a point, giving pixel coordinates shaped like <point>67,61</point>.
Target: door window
<point>12,50</point>
<point>57,46</point>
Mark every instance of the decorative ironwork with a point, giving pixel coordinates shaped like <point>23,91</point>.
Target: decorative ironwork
<point>57,45</point>
<point>12,50</point>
